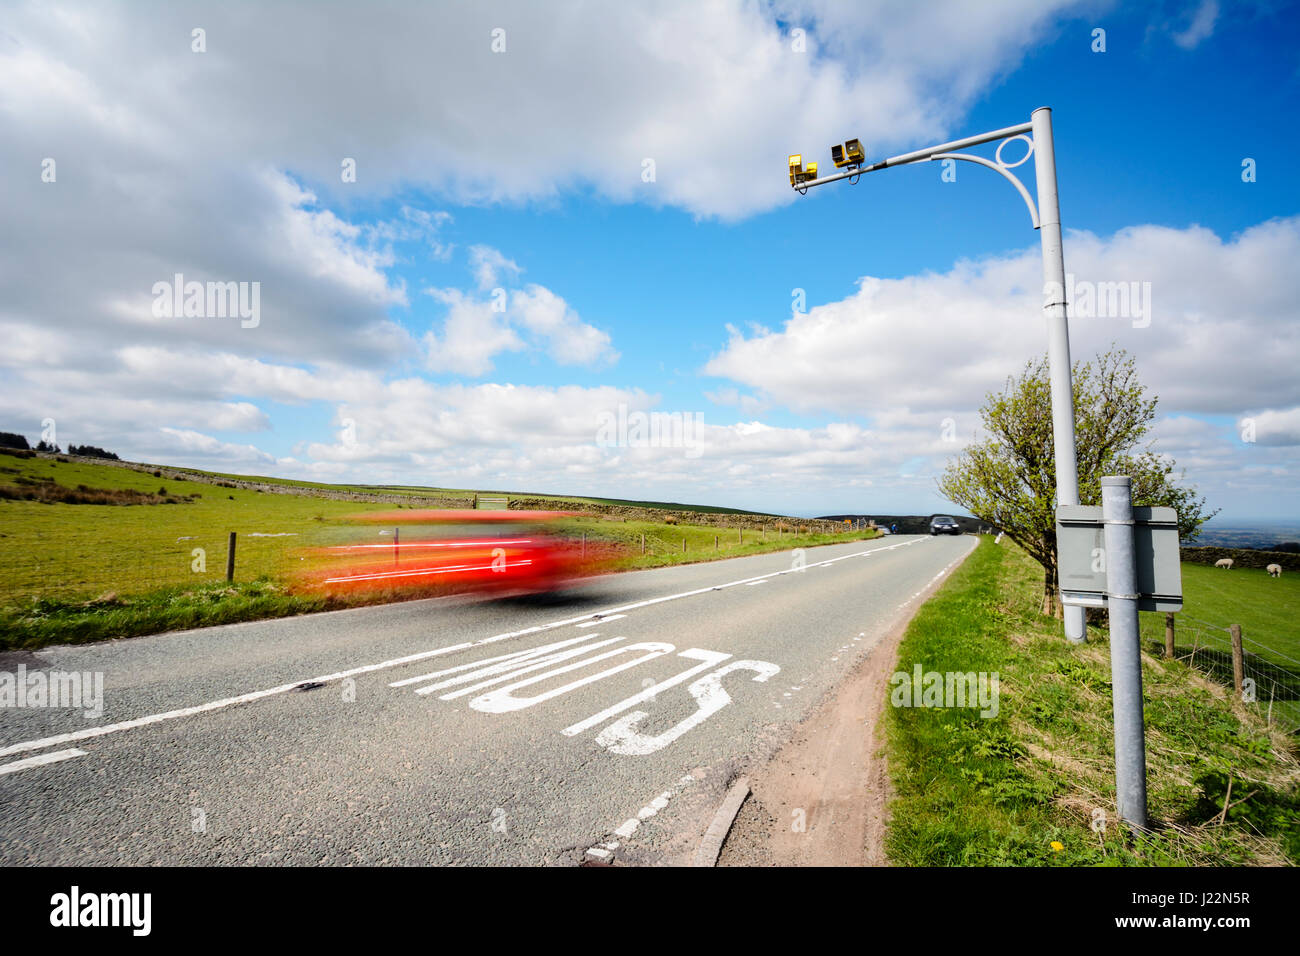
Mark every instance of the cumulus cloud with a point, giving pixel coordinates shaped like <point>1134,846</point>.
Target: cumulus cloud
<point>423,98</point>
<point>472,333</point>
<point>1218,326</point>
<point>489,265</point>
<point>475,330</point>
<point>569,340</point>
<point>1274,427</point>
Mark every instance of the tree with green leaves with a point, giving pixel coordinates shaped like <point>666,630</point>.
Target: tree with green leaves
<point>1008,478</point>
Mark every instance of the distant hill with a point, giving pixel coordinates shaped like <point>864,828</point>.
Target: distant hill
<point>1258,535</point>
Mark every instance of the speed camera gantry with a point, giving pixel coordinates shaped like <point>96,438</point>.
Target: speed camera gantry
<point>848,155</point>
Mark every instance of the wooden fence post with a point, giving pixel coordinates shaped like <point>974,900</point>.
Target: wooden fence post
<point>643,542</point>
<point>1237,662</point>
<point>1169,635</point>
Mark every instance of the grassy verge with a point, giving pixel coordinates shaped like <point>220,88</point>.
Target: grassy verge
<point>1034,785</point>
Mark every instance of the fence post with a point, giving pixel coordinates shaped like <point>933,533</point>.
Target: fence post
<point>230,558</point>
<point>740,536</point>
<point>683,545</point>
<point>1169,635</point>
<point>1237,662</point>
<point>396,535</point>
<point>643,542</point>
<point>715,542</point>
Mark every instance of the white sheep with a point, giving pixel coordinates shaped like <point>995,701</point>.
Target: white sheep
<point>1274,570</point>
<point>1225,563</point>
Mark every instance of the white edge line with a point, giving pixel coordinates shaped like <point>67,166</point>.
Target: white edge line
<point>41,760</point>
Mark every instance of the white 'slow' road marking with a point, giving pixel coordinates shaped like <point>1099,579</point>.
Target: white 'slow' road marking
<point>41,760</point>
<point>92,732</point>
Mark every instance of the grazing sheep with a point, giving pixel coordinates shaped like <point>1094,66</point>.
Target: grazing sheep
<point>1224,563</point>
<point>1274,570</point>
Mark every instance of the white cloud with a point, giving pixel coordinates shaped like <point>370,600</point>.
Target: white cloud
<point>569,340</point>
<point>472,333</point>
<point>1201,26</point>
<point>489,265</point>
<point>1276,427</point>
<point>1223,328</point>
<point>425,100</point>
<point>475,331</point>
<point>196,445</point>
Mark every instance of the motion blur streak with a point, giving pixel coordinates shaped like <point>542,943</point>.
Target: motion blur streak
<point>451,550</point>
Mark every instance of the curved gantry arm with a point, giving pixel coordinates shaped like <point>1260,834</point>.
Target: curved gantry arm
<point>1002,170</point>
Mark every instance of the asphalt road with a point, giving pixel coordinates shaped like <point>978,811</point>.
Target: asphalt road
<point>603,723</point>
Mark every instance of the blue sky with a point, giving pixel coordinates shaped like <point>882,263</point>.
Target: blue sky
<point>377,357</point>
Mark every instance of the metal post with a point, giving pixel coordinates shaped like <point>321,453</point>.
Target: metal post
<point>1058,333</point>
<point>1125,649</point>
<point>230,558</point>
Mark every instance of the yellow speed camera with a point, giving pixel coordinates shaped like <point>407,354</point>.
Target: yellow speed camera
<point>850,154</point>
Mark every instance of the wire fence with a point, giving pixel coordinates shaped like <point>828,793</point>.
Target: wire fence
<point>1261,676</point>
<point>77,565</point>
<point>70,568</point>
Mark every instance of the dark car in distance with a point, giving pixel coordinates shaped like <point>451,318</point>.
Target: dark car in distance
<point>943,524</point>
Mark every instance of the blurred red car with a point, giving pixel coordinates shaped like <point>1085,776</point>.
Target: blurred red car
<point>456,550</point>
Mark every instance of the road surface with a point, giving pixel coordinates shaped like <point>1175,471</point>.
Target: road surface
<point>601,724</point>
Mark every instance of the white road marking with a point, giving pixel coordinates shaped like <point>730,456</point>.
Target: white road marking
<point>92,732</point>
<point>516,656</point>
<point>752,584</point>
<point>709,657</point>
<point>603,849</point>
<point>622,737</point>
<point>41,760</point>
<point>602,620</point>
<point>503,699</point>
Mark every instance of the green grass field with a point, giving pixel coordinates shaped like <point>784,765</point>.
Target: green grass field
<point>83,572</point>
<point>75,551</point>
<point>1265,608</point>
<point>1024,787</point>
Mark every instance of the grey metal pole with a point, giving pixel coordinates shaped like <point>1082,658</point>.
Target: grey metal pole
<point>1125,650</point>
<point>1058,333</point>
